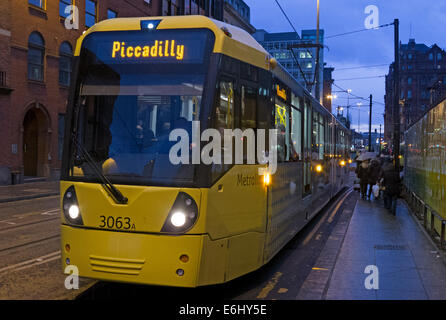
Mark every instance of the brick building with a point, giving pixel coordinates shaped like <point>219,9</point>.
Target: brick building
<point>421,67</point>
<point>35,72</point>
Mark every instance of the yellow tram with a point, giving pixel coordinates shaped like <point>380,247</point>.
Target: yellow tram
<point>128,213</point>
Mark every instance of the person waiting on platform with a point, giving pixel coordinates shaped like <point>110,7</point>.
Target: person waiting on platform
<point>362,173</point>
<point>392,187</point>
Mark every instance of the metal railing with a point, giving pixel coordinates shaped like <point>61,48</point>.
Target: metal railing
<point>423,211</point>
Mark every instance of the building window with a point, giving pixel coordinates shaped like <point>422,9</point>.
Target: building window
<point>309,65</point>
<point>111,14</point>
<point>431,56</point>
<point>66,56</point>
<point>90,13</point>
<point>409,56</point>
<point>63,4</point>
<point>36,54</point>
<point>38,3</point>
<point>409,80</point>
<point>439,56</point>
<point>409,94</point>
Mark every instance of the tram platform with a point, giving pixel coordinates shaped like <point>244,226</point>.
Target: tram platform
<point>28,191</point>
<point>408,264</point>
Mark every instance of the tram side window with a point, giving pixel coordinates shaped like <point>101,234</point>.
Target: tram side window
<point>264,109</point>
<point>249,108</point>
<point>282,121</point>
<point>224,114</point>
<point>296,130</point>
<point>318,137</point>
<point>224,119</point>
<point>248,116</point>
<point>307,148</point>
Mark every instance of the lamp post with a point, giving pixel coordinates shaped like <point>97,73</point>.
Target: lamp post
<point>317,95</point>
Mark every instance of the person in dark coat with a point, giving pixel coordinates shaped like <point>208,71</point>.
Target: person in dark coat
<point>362,173</point>
<point>392,185</point>
<point>374,174</point>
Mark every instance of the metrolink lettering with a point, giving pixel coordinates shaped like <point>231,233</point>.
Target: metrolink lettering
<point>246,181</point>
<point>160,49</point>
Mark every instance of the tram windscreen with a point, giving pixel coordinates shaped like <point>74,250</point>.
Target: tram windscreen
<point>133,89</point>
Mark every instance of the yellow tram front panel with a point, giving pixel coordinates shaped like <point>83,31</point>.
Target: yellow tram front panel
<point>226,241</point>
<point>132,257</point>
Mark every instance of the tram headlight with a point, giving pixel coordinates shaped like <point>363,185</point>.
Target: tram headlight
<point>178,219</point>
<point>182,216</point>
<point>70,207</point>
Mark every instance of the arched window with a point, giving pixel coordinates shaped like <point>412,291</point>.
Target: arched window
<point>36,54</point>
<point>66,56</point>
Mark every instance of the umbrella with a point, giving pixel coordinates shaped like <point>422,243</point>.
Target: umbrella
<point>366,156</point>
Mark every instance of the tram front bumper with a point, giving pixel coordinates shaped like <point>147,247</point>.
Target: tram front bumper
<point>132,257</point>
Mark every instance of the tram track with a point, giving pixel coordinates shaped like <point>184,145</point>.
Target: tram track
<point>29,243</point>
<point>17,226</point>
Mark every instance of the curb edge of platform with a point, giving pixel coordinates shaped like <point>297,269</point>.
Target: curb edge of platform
<point>42,195</point>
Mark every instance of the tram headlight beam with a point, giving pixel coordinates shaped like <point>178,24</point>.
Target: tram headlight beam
<point>182,216</point>
<point>70,207</point>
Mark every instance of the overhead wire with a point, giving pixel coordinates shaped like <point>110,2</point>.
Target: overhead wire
<point>361,30</point>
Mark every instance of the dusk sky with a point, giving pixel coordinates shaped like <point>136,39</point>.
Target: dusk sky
<point>373,47</point>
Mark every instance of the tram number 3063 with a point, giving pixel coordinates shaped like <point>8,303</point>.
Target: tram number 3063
<point>120,223</point>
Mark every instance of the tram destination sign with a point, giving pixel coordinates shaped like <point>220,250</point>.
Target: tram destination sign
<point>142,47</point>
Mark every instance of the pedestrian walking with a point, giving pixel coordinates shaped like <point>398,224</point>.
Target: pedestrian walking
<point>392,188</point>
<point>361,173</point>
<point>374,174</point>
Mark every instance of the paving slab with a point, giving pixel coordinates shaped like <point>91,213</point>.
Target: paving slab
<point>28,191</point>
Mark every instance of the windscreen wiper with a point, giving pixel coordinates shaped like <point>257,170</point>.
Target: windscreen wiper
<point>116,195</point>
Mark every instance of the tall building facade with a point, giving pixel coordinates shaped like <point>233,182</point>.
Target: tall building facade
<point>35,70</point>
<point>327,89</point>
<point>210,8</point>
<point>238,13</point>
<point>297,54</point>
<point>421,68</point>
<point>235,12</point>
